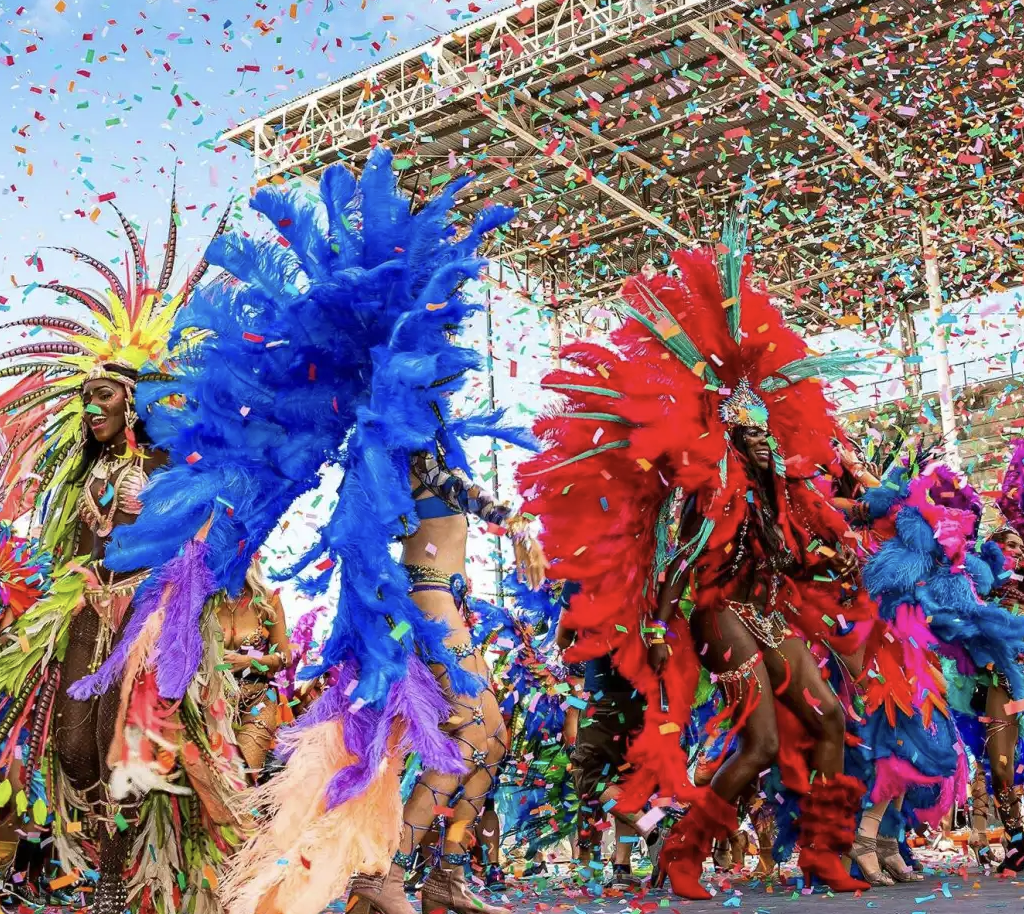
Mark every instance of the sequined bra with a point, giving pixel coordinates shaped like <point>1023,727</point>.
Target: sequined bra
<point>124,481</point>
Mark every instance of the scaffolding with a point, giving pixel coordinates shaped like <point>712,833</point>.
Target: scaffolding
<point>877,148</point>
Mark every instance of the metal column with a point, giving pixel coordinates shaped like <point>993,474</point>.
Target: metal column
<point>499,590</point>
<point>941,351</point>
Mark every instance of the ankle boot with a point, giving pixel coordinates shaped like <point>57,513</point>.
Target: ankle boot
<point>892,861</point>
<point>1008,806</point>
<point>827,823</point>
<point>446,889</point>
<point>689,843</point>
<point>379,894</point>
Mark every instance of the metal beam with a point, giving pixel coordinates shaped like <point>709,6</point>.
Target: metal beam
<point>739,59</point>
<point>611,192</point>
<point>941,354</point>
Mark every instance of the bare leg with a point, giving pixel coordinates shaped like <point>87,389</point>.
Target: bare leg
<point>1001,739</point>
<point>1002,746</point>
<point>726,647</point>
<point>980,811</point>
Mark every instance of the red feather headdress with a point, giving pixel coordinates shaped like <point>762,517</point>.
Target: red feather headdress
<point>653,415</point>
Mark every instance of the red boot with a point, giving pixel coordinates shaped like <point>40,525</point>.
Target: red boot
<point>827,831</point>
<point>689,843</point>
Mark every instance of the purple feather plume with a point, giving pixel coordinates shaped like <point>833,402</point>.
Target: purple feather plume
<point>1011,497</point>
<point>180,643</point>
<point>109,674</point>
<point>180,646</point>
<point>416,700</point>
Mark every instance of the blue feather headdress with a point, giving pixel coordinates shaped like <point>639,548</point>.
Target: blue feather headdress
<point>330,343</point>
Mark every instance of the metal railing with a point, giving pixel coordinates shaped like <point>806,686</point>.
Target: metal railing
<point>891,390</point>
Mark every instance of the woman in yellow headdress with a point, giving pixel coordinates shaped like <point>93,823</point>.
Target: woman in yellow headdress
<point>130,785</point>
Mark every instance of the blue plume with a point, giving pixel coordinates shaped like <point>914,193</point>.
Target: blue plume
<point>330,344</point>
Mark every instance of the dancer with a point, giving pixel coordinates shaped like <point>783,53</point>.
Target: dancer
<point>707,393</point>
<point>256,646</point>
<point>337,348</point>
<point>905,738</point>
<point>944,605</point>
<point>129,783</point>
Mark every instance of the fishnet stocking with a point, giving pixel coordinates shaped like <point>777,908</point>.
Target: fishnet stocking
<point>477,727</point>
<point>83,733</point>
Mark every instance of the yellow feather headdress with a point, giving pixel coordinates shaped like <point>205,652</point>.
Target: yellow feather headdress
<point>41,415</point>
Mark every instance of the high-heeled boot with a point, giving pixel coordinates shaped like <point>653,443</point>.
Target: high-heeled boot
<point>380,894</point>
<point>689,843</point>
<point>1008,806</point>
<point>446,889</point>
<point>827,831</point>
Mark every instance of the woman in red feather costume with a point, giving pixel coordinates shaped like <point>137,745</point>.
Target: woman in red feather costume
<point>709,401</point>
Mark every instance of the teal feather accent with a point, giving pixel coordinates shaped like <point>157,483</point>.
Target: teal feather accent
<point>677,342</point>
<point>593,452</point>
<point>599,391</point>
<point>730,268</point>
<point>829,367</point>
<point>667,533</point>
<point>696,546</point>
<point>598,417</point>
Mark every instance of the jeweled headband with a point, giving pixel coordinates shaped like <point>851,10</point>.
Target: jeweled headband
<point>113,371</point>
<point>744,407</point>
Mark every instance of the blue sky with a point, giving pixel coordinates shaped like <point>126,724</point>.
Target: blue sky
<point>102,97</point>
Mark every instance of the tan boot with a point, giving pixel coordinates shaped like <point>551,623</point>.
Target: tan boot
<point>981,810</point>
<point>447,890</point>
<point>379,894</point>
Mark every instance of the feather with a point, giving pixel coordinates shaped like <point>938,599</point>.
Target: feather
<point>109,275</point>
<point>179,591</point>
<point>138,257</point>
<point>170,247</point>
<point>90,301</point>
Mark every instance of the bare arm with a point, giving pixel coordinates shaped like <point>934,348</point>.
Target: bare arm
<point>671,591</point>
<point>277,638</point>
<point>457,491</point>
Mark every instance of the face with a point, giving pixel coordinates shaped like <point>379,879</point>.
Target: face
<point>1012,547</point>
<point>105,405</point>
<point>755,443</point>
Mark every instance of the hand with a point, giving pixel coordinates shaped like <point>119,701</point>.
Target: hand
<point>239,662</point>
<point>531,564</point>
<point>847,456</point>
<point>845,562</point>
<point>657,657</point>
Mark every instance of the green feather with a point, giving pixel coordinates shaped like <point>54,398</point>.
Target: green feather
<point>597,417</point>
<point>829,367</point>
<point>730,268</point>
<point>678,343</point>
<point>593,452</point>
<point>599,391</point>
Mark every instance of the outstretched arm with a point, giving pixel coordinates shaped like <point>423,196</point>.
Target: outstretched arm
<point>460,494</point>
<point>457,491</point>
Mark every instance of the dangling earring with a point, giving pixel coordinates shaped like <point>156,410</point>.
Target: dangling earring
<point>130,418</point>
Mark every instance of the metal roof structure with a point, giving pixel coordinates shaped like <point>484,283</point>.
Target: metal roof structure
<point>856,135</point>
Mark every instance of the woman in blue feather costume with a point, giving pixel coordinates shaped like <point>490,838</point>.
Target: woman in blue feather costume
<point>332,342</point>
